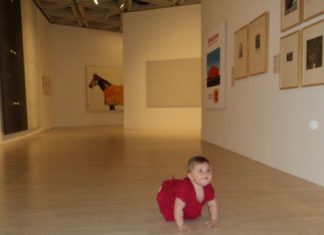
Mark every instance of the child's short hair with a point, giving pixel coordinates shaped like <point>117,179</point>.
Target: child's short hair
<point>196,160</point>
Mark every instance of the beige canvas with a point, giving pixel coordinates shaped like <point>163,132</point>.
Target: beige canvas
<point>173,83</point>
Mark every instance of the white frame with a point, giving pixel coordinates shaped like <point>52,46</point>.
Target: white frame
<point>215,41</point>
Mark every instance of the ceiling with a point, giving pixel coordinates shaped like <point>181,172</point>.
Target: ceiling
<point>104,16</point>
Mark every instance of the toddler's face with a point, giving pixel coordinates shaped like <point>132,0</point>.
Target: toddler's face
<point>201,174</point>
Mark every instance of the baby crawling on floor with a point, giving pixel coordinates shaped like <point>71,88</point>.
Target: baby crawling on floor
<point>184,199</point>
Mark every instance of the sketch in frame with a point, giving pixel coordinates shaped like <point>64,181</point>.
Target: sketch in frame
<point>314,56</point>
<point>290,13</point>
<point>290,6</point>
<point>312,67</point>
<point>312,9</point>
<point>289,61</point>
<point>104,88</point>
<point>258,45</point>
<point>290,56</point>
<point>47,85</point>
<point>241,53</point>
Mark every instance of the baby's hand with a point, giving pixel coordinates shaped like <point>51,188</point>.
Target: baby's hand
<point>211,223</point>
<point>184,228</point>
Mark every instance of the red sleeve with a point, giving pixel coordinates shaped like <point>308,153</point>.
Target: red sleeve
<point>209,193</point>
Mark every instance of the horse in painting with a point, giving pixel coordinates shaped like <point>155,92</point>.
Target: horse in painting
<point>113,94</point>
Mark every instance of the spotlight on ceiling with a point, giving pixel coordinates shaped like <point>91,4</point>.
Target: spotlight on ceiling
<point>96,2</point>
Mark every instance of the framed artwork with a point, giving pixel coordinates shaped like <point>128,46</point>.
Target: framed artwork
<point>312,64</point>
<point>258,44</point>
<point>241,53</point>
<point>181,78</point>
<point>290,13</point>
<point>214,57</point>
<point>290,61</point>
<point>312,8</point>
<point>104,88</point>
<point>47,85</point>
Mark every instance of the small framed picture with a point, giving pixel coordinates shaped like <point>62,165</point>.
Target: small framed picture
<point>290,13</point>
<point>47,86</point>
<point>258,44</point>
<point>241,53</point>
<point>290,61</point>
<point>312,64</point>
<point>312,8</point>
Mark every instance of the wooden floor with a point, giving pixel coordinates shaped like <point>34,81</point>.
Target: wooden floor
<point>101,180</point>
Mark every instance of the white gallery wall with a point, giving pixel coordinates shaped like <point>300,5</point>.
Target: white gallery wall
<point>260,121</point>
<point>37,62</point>
<point>73,49</point>
<point>158,35</point>
<point>45,66</point>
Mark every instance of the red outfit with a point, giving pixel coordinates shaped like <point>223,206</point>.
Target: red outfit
<point>184,190</point>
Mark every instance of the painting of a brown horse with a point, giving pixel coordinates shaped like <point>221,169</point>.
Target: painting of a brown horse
<point>113,94</point>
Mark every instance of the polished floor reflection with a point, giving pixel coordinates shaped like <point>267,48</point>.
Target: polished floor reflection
<point>104,180</point>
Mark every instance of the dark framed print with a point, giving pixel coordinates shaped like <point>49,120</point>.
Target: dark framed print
<point>258,44</point>
<point>241,53</point>
<point>290,61</point>
<point>312,8</point>
<point>312,66</point>
<point>291,11</point>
